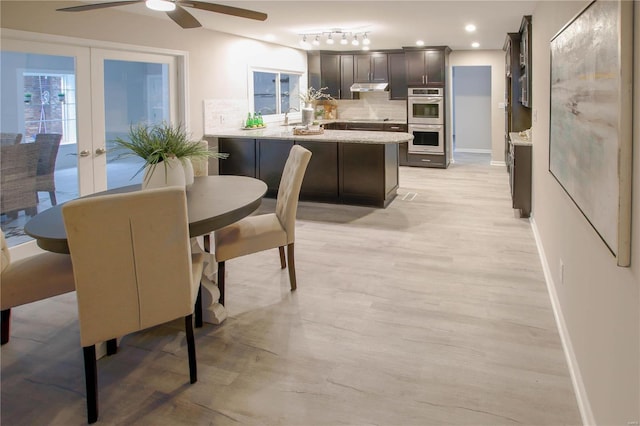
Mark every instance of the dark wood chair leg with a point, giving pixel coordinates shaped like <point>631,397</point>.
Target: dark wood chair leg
<point>283,262</point>
<point>221,281</point>
<point>198,308</point>
<point>91,378</point>
<point>5,323</point>
<point>292,267</point>
<point>52,196</point>
<point>112,347</point>
<point>191,348</point>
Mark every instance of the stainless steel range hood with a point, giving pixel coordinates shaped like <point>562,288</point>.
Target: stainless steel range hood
<point>369,87</point>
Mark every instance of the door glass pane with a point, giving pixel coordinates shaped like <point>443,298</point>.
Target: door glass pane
<point>134,93</point>
<point>39,137</point>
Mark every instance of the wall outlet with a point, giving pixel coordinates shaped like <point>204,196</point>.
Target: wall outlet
<point>535,115</point>
<point>221,119</point>
<point>561,272</point>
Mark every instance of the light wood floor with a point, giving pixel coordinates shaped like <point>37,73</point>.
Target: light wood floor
<point>433,311</point>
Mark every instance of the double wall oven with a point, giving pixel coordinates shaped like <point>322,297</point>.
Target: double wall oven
<point>426,120</point>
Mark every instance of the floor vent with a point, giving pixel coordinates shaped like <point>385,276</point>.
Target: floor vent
<point>409,196</point>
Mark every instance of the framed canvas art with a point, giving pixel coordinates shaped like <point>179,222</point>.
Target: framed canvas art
<point>590,138</point>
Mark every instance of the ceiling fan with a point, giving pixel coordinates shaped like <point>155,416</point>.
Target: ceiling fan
<point>175,10</point>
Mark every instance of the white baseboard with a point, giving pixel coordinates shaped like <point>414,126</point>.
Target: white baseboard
<point>498,163</point>
<point>576,378</point>
<point>473,150</point>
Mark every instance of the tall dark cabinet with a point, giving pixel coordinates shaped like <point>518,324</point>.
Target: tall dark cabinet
<point>517,150</point>
<point>517,108</point>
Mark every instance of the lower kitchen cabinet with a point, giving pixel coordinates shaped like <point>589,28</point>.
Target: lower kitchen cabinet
<point>242,157</point>
<point>368,173</point>
<point>519,161</point>
<point>321,179</point>
<point>420,160</point>
<point>338,172</point>
<point>271,157</point>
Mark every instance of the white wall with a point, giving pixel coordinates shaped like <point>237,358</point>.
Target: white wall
<point>218,63</point>
<point>472,108</point>
<point>494,59</point>
<point>598,302</point>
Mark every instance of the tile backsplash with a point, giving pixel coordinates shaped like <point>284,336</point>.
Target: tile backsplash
<point>372,105</point>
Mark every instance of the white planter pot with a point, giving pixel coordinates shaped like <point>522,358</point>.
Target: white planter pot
<point>166,173</point>
<point>188,171</point>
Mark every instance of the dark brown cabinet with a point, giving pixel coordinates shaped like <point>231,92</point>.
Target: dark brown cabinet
<point>338,172</point>
<point>426,67</point>
<point>517,115</point>
<point>519,160</point>
<point>346,77</point>
<point>321,178</point>
<point>271,156</point>
<point>242,157</point>
<point>397,76</point>
<point>370,68</point>
<point>330,74</point>
<point>368,173</point>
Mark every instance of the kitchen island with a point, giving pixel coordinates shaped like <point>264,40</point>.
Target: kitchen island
<point>349,167</point>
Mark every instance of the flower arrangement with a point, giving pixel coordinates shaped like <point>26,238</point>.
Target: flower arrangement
<point>312,94</point>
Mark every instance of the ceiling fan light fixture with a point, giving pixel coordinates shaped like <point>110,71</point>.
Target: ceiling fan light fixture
<point>161,5</point>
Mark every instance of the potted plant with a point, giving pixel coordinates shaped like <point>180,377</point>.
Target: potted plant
<point>166,145</point>
<point>308,97</point>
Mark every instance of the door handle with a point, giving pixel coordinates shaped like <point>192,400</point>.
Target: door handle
<point>100,151</point>
<point>85,153</point>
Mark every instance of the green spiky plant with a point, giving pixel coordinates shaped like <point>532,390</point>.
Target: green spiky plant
<point>157,143</point>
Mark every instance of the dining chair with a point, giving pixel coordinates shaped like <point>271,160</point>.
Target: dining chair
<point>18,167</point>
<point>48,144</point>
<point>261,232</point>
<point>133,269</point>
<point>31,279</point>
<point>7,138</point>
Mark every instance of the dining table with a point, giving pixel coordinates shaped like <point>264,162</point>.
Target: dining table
<point>213,202</point>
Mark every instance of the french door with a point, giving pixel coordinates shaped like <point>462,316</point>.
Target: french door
<point>89,96</point>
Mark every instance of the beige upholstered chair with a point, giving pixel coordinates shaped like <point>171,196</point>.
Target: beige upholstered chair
<point>261,232</point>
<point>48,144</point>
<point>133,269</point>
<point>31,279</point>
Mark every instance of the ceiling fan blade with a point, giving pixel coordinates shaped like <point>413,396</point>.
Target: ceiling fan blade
<point>227,10</point>
<point>97,6</point>
<point>183,18</point>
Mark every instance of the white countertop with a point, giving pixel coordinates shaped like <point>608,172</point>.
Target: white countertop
<point>286,133</point>
<point>516,139</point>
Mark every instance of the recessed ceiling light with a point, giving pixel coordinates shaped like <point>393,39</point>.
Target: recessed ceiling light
<point>470,28</point>
<point>161,5</point>
<point>419,43</point>
<point>475,44</point>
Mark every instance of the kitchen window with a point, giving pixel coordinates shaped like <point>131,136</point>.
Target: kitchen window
<point>275,92</point>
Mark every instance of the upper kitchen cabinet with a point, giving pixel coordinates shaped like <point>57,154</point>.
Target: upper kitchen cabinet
<point>370,68</point>
<point>333,71</point>
<point>525,61</point>
<point>426,67</point>
<point>330,74</point>
<point>397,76</point>
<point>346,77</point>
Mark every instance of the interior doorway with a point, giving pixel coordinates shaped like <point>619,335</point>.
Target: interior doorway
<point>471,109</point>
